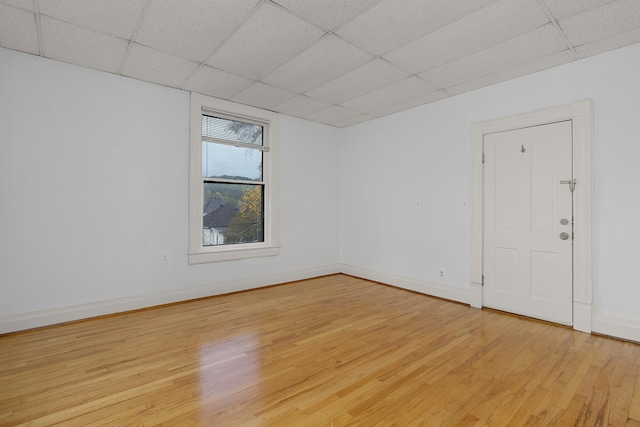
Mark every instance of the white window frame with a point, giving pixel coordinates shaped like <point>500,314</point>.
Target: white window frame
<point>199,254</point>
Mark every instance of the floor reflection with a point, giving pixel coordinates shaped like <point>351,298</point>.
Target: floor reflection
<point>230,375</point>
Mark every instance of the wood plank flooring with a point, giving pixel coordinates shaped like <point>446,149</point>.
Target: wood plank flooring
<point>331,351</point>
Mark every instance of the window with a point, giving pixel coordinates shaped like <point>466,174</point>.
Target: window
<point>232,181</point>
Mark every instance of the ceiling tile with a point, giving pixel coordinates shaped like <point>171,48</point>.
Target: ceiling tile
<point>301,106</point>
<point>80,46</point>
<point>530,67</point>
<point>563,9</point>
<point>328,14</point>
<point>192,29</point>
<point>18,30</point>
<point>115,17</point>
<point>543,41</point>
<point>154,66</point>
<point>494,24</point>
<point>353,121</point>
<point>411,103</point>
<point>371,76</point>
<point>391,23</point>
<point>328,58</point>
<point>602,22</point>
<point>214,82</point>
<point>332,115</point>
<point>263,96</point>
<point>409,88</point>
<point>24,4</point>
<point>267,40</point>
<point>608,44</point>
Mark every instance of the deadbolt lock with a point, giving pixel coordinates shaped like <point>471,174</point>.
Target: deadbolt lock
<point>564,221</point>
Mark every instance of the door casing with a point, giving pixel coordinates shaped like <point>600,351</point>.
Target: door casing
<point>581,116</point>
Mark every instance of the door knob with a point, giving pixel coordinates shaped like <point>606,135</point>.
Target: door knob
<point>564,235</point>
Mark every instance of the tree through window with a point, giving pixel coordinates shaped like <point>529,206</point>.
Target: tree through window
<point>232,159</point>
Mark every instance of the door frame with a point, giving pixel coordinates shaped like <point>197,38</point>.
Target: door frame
<point>581,116</point>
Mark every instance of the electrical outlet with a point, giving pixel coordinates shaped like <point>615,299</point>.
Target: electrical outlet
<point>164,258</point>
<point>442,274</point>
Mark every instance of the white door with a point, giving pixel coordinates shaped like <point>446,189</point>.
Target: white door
<point>528,244</point>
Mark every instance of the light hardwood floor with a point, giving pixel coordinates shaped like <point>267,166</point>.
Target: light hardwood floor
<point>329,351</point>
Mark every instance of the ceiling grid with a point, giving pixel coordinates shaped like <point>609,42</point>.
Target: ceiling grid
<point>330,61</point>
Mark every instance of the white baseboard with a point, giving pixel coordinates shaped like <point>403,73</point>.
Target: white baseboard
<point>626,329</point>
<point>428,288</point>
<point>36,319</point>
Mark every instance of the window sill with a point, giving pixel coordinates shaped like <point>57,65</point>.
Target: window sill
<point>227,254</point>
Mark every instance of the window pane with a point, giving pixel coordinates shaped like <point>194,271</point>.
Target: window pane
<point>231,130</point>
<point>229,162</point>
<point>232,214</point>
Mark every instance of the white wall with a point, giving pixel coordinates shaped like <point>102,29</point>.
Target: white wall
<point>406,184</point>
<point>94,189</point>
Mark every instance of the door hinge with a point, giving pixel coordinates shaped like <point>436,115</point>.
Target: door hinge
<point>571,182</point>
<point>482,157</point>
<point>482,281</point>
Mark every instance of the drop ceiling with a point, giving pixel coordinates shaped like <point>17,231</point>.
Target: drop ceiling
<point>338,62</point>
